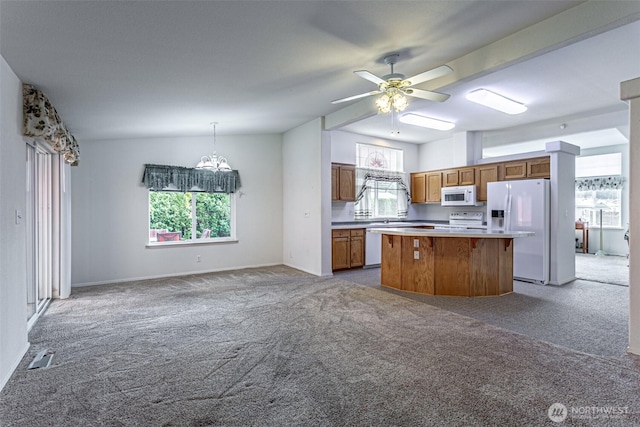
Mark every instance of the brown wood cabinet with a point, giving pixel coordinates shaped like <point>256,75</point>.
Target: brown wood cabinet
<point>461,176</point>
<point>467,176</point>
<point>454,266</point>
<point>343,182</point>
<point>434,184</point>
<point>418,187</point>
<point>484,175</point>
<point>425,186</point>
<point>450,178</point>
<point>539,168</point>
<point>526,169</point>
<point>347,248</point>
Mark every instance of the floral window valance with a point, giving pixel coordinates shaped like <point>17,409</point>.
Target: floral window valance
<point>41,120</point>
<point>161,177</point>
<point>599,183</point>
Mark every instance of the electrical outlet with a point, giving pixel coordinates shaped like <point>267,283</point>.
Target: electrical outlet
<point>416,254</point>
<point>197,258</point>
<point>416,243</point>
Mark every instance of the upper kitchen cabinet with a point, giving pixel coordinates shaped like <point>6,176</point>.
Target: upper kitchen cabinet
<point>418,187</point>
<point>434,184</point>
<point>425,187</point>
<point>343,182</point>
<point>531,168</point>
<point>484,175</point>
<point>460,176</point>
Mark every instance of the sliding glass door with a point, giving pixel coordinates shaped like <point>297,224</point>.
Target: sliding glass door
<point>39,230</point>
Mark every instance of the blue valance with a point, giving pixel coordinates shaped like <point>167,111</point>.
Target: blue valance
<point>178,178</point>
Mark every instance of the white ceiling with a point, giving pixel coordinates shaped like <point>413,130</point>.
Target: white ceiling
<point>125,69</point>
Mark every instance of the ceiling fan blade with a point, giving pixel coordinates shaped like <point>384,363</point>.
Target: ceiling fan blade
<point>369,76</point>
<point>440,71</point>
<point>351,98</point>
<point>427,94</point>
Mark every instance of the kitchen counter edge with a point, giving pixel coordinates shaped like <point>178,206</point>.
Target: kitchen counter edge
<point>454,232</point>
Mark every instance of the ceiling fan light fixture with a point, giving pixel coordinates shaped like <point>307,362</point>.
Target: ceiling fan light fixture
<point>426,122</point>
<point>497,102</point>
<point>384,104</point>
<point>392,99</point>
<point>399,102</point>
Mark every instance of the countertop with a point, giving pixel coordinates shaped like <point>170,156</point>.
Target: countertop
<point>396,224</point>
<point>452,232</point>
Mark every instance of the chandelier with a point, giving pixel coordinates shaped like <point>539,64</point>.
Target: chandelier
<point>213,162</point>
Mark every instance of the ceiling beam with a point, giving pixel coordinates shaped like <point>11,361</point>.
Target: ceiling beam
<point>578,23</point>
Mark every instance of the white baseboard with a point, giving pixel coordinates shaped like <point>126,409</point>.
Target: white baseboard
<point>14,365</point>
<point>183,273</point>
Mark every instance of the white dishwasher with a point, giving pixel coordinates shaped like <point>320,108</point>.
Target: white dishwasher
<point>373,249</point>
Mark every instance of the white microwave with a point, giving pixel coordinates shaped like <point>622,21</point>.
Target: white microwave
<point>464,195</point>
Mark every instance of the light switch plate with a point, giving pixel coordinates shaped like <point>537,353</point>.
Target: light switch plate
<point>416,254</point>
<point>18,216</point>
<point>416,243</point>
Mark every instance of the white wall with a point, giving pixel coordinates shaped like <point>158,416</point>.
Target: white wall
<point>305,221</point>
<point>110,208</point>
<point>13,293</point>
<point>612,238</point>
<point>343,150</point>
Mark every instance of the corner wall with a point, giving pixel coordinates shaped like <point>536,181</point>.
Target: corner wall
<point>110,208</point>
<point>303,162</point>
<point>13,292</point>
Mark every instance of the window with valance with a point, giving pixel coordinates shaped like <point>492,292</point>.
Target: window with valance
<point>41,120</point>
<point>381,194</point>
<point>189,205</point>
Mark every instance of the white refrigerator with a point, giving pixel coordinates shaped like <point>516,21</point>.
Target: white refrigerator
<point>523,205</point>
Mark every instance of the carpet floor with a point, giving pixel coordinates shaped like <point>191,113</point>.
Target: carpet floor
<point>277,347</point>
<point>604,269</point>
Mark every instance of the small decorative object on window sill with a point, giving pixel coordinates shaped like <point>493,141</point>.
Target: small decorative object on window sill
<point>213,162</point>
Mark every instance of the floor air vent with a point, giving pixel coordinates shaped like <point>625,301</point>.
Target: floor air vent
<point>42,360</point>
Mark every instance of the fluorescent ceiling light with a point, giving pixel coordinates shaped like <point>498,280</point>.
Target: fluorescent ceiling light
<point>495,101</point>
<point>426,122</point>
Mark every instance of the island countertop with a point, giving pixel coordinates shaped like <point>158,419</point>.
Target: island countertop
<point>451,232</point>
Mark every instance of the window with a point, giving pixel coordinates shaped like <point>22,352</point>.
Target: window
<point>590,202</point>
<point>380,183</point>
<point>190,217</point>
<point>600,165</point>
<point>598,189</point>
<point>375,157</point>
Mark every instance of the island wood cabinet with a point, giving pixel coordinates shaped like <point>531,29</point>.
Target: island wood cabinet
<point>347,248</point>
<point>343,182</point>
<point>454,266</point>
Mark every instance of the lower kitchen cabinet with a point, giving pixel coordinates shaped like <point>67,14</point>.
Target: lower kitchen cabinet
<point>347,248</point>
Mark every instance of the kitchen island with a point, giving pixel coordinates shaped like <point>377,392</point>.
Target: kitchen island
<point>454,262</point>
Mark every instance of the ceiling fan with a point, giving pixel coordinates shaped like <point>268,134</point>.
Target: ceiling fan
<point>395,85</point>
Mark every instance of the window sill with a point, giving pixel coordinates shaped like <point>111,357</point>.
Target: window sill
<point>153,245</point>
